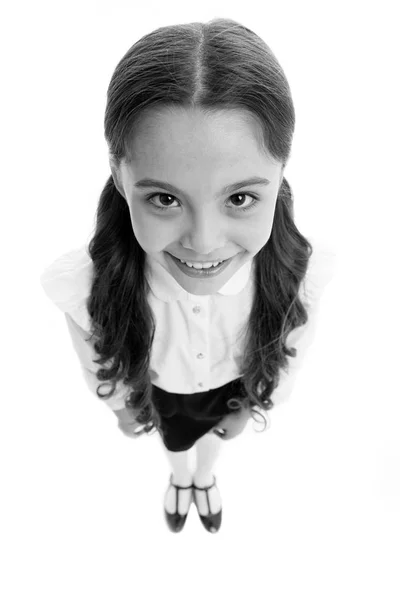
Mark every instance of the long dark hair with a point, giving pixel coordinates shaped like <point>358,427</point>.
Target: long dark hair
<point>212,66</point>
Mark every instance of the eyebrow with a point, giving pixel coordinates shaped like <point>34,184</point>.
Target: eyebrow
<point>147,183</point>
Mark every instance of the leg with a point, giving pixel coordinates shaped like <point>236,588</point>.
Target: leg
<point>179,462</point>
<point>208,448</point>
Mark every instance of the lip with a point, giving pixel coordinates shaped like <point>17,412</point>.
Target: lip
<point>203,273</point>
<point>200,261</point>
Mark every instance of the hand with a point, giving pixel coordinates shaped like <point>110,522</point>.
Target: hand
<point>232,424</point>
<point>126,423</point>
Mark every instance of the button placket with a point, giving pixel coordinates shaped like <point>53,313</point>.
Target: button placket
<point>197,309</point>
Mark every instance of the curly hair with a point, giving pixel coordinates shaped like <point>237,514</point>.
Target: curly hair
<point>212,66</point>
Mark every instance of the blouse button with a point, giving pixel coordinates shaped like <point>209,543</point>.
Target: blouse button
<point>196,309</point>
<point>200,355</point>
<point>200,384</point>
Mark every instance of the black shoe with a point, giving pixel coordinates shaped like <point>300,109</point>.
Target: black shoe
<point>176,521</point>
<point>212,522</point>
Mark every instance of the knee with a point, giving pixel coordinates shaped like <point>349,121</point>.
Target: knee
<point>209,439</point>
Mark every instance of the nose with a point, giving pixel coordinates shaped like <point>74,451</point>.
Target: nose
<point>205,234</point>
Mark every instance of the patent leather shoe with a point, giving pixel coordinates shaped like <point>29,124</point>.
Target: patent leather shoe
<point>211,522</point>
<point>176,521</point>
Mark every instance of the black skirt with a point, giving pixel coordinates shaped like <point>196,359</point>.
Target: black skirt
<point>187,417</point>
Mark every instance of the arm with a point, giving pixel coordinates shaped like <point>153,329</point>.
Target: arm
<point>86,354</point>
<point>301,338</point>
<point>67,283</point>
<point>321,271</point>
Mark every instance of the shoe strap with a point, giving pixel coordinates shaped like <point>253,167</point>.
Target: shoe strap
<point>178,486</point>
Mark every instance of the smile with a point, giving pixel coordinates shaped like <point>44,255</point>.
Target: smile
<point>200,270</point>
<point>199,265</point>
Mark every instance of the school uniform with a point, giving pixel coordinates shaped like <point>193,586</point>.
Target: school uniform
<point>198,341</point>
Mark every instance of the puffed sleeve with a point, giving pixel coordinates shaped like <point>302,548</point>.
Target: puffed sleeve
<point>320,272</point>
<point>67,283</point>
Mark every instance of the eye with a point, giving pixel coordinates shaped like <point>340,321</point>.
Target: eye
<point>255,199</point>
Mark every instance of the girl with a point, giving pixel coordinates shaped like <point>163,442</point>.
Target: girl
<point>196,297</point>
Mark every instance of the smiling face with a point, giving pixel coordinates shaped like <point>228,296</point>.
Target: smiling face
<point>196,156</point>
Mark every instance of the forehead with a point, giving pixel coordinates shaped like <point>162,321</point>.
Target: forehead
<point>178,138</point>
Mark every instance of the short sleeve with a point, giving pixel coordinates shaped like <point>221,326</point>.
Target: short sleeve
<point>67,283</point>
<point>321,271</point>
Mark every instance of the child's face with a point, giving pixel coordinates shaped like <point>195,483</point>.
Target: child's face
<point>200,155</point>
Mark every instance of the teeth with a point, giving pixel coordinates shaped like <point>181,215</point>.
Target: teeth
<point>197,265</point>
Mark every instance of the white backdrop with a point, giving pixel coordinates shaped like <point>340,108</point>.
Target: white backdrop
<point>311,507</point>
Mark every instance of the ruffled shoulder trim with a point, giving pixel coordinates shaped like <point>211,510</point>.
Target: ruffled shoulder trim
<point>67,283</point>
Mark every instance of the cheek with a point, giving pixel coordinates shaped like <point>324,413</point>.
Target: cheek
<point>150,236</point>
<point>258,231</point>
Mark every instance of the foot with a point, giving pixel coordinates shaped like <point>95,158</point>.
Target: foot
<point>201,496</point>
<point>184,497</point>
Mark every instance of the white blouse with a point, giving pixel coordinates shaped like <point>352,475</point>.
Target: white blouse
<point>198,340</point>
